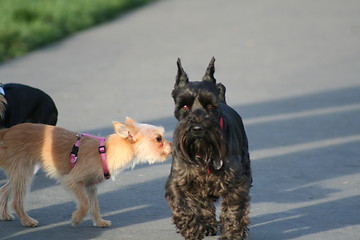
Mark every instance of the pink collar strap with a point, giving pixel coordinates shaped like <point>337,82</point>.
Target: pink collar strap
<point>221,123</point>
<point>102,152</point>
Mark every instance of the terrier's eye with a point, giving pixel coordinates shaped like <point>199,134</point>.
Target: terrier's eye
<point>185,108</point>
<point>158,138</point>
<point>209,106</point>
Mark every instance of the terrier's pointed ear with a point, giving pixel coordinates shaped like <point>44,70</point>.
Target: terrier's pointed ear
<point>222,91</point>
<point>209,74</point>
<point>181,77</point>
<point>124,131</point>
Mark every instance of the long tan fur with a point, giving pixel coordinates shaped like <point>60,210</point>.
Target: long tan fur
<point>25,145</point>
<point>3,104</point>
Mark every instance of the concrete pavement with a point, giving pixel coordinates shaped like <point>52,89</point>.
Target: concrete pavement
<point>291,69</point>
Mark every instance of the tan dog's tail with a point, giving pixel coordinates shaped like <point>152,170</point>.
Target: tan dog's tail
<point>2,135</point>
<point>3,104</point>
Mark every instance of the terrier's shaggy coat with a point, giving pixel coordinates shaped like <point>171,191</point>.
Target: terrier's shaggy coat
<point>210,160</point>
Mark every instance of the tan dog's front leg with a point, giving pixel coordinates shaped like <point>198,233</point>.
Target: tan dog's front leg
<point>94,208</point>
<point>78,189</point>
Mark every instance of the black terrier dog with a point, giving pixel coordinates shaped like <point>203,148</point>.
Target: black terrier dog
<point>210,160</point>
<point>21,103</point>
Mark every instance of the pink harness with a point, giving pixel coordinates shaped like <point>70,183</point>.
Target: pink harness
<point>102,151</point>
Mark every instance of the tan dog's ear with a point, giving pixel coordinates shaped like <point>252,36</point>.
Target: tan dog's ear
<point>129,121</point>
<point>124,131</point>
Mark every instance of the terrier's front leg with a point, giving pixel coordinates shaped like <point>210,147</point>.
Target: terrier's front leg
<point>234,216</point>
<point>186,213</point>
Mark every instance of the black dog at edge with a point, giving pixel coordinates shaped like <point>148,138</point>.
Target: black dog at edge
<point>210,160</point>
<point>20,103</point>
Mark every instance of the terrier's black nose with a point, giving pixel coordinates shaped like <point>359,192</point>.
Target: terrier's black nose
<point>197,128</point>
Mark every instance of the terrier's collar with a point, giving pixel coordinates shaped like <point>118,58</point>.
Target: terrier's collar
<point>102,151</point>
<point>221,123</point>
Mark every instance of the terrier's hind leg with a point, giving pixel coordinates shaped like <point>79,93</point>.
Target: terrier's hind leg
<point>5,192</point>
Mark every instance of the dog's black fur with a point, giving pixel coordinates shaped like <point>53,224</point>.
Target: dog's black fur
<point>22,103</point>
<point>209,161</point>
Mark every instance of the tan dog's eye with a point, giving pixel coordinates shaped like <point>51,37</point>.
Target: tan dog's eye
<point>159,139</point>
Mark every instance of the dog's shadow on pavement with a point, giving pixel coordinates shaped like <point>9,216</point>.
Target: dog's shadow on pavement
<point>128,205</point>
<point>305,160</point>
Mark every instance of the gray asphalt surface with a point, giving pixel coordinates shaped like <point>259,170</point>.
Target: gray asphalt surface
<point>292,70</point>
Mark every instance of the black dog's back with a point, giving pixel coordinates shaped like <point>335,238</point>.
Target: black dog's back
<point>27,104</point>
<point>234,128</point>
<point>235,136</point>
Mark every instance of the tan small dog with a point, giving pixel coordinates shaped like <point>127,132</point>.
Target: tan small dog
<point>25,145</point>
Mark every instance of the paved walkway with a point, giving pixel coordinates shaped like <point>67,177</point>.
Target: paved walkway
<point>292,70</point>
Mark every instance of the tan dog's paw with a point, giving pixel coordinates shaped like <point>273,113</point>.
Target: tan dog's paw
<point>102,223</point>
<point>6,217</point>
<point>29,222</point>
<point>76,218</point>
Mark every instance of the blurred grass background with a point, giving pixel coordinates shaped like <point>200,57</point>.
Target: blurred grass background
<point>28,24</point>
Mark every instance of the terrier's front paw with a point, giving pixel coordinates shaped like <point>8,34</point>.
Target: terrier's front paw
<point>211,230</point>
